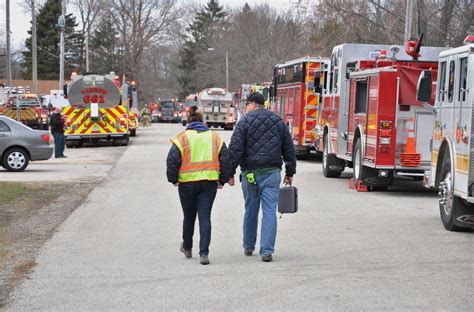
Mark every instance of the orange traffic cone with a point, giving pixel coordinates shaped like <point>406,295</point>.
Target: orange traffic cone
<point>410,158</point>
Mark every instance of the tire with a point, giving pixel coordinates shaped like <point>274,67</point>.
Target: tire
<point>332,166</point>
<point>450,205</point>
<point>74,143</point>
<point>184,123</point>
<point>133,132</point>
<point>365,174</point>
<point>15,159</point>
<point>302,154</point>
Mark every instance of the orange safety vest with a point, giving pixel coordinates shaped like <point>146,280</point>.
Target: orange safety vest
<point>200,155</point>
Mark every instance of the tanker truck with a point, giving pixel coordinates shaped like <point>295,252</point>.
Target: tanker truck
<point>95,112</point>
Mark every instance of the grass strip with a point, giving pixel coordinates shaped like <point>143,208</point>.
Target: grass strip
<point>10,191</point>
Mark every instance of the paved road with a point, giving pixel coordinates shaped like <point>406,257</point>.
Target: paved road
<point>342,251</point>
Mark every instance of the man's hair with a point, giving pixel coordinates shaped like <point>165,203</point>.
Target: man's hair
<point>194,114</point>
<point>257,98</point>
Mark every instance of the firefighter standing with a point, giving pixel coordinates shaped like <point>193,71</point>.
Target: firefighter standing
<point>195,166</point>
<point>145,115</point>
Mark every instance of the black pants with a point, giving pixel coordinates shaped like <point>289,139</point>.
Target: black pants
<point>197,198</point>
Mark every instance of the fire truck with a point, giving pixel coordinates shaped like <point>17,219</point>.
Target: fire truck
<point>216,105</point>
<point>95,112</point>
<point>27,109</point>
<point>452,160</point>
<point>297,93</point>
<point>370,119</point>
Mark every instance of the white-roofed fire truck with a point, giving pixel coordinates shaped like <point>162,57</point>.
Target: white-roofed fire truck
<point>370,118</point>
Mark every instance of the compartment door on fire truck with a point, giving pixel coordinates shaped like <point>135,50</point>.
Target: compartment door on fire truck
<point>462,118</point>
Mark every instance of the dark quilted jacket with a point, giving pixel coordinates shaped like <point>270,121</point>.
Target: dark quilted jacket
<point>262,140</point>
<point>174,161</point>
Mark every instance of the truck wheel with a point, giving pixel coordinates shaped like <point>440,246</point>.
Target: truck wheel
<point>74,143</point>
<point>332,166</point>
<point>15,159</point>
<point>183,123</point>
<point>302,153</point>
<point>450,205</point>
<point>365,174</point>
<point>133,132</point>
<point>229,127</point>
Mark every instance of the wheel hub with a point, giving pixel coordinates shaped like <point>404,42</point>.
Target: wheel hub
<point>16,160</point>
<point>446,194</point>
<point>357,165</point>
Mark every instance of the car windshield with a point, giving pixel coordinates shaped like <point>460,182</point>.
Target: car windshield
<point>167,105</point>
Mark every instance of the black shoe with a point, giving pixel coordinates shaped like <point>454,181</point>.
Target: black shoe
<point>204,260</point>
<point>267,258</point>
<point>187,253</point>
<point>61,156</point>
<point>248,252</point>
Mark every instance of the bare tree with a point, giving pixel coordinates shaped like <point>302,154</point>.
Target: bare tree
<point>88,11</point>
<point>144,23</point>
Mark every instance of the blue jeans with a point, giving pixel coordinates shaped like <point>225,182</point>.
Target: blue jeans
<point>265,191</point>
<point>59,143</point>
<point>197,198</point>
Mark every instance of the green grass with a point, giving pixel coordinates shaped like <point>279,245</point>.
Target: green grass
<point>9,191</point>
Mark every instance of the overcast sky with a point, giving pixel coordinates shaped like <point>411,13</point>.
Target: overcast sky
<point>20,20</point>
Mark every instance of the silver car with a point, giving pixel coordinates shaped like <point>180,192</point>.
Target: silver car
<point>19,144</point>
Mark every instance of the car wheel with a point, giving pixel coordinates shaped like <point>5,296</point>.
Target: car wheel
<point>15,159</point>
<point>332,166</point>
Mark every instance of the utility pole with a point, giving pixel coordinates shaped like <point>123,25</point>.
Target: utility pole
<point>408,19</point>
<point>34,48</point>
<point>227,71</point>
<point>62,25</point>
<point>9,64</point>
<point>87,49</point>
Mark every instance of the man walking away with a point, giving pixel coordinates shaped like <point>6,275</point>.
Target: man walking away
<point>57,129</point>
<point>195,166</point>
<point>260,143</point>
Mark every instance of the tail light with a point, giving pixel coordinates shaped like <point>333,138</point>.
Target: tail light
<point>385,135</point>
<point>46,138</point>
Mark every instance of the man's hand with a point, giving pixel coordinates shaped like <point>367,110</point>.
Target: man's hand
<point>176,184</point>
<point>288,180</point>
<point>231,181</point>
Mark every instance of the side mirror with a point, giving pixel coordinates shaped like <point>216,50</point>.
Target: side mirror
<point>424,86</point>
<point>65,91</point>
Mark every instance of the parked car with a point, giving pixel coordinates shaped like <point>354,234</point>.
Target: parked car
<point>20,144</point>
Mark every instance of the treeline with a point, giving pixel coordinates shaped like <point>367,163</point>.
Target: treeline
<point>173,47</point>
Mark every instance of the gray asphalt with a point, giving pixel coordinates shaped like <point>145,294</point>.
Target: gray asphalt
<point>342,251</point>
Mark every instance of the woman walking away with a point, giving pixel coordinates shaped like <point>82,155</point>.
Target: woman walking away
<point>195,166</point>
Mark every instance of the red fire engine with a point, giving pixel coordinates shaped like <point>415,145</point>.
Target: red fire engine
<point>297,95</point>
<point>370,119</point>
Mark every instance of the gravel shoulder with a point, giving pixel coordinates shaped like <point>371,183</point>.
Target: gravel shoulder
<point>37,201</point>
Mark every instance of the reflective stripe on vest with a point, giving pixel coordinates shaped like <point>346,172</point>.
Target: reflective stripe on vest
<point>200,155</point>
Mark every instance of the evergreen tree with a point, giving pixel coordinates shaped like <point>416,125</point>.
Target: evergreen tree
<point>48,39</point>
<point>203,31</point>
<point>103,47</point>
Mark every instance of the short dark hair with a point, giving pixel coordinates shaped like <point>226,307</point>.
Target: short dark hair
<point>194,115</point>
<point>257,98</point>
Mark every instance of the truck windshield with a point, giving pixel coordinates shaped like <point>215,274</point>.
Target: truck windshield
<point>26,102</point>
<point>167,105</point>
